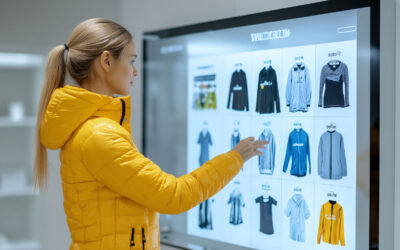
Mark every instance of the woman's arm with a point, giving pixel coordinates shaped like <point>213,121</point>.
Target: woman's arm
<point>110,155</point>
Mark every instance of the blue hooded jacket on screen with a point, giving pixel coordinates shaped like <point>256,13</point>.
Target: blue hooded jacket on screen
<point>298,148</point>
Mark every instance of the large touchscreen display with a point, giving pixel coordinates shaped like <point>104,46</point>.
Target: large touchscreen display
<point>301,84</point>
<point>297,90</point>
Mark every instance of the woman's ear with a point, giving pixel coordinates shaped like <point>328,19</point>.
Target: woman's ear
<point>105,60</point>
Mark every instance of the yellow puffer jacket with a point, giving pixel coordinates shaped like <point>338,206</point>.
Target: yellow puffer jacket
<point>112,193</point>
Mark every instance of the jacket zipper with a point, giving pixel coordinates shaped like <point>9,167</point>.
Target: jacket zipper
<point>298,151</point>
<point>143,238</point>
<point>132,237</point>
<point>330,160</point>
<point>330,235</point>
<point>123,112</point>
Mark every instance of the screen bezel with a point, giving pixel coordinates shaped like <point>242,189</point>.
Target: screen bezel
<point>298,12</point>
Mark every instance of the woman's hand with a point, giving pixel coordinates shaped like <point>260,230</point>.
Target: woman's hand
<point>248,148</point>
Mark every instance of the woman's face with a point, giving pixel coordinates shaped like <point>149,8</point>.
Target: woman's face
<point>122,71</point>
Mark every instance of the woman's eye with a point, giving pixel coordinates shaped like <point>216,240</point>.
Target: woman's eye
<point>133,61</point>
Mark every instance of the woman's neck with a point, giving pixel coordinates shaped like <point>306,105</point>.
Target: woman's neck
<point>97,86</point>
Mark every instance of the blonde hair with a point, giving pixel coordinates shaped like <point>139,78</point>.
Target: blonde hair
<point>86,42</point>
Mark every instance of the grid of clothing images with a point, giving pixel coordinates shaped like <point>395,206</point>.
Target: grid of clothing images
<point>300,194</point>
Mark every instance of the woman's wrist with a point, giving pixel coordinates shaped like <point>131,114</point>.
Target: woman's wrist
<point>237,155</point>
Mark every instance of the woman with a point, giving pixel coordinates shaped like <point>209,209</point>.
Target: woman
<point>112,193</point>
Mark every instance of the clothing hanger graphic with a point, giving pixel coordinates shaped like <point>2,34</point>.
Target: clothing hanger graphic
<point>299,58</point>
<point>267,62</point>
<point>297,125</point>
<point>236,126</point>
<point>334,56</point>
<point>266,126</point>
<point>205,125</point>
<point>236,185</point>
<point>265,190</point>
<point>332,196</point>
<point>331,127</point>
<point>238,66</point>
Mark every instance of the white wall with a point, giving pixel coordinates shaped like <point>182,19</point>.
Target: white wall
<point>36,26</point>
<point>397,129</point>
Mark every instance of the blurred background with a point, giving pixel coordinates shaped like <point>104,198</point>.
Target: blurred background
<point>29,29</point>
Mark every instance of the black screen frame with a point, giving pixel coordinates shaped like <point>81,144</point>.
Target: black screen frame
<point>298,12</point>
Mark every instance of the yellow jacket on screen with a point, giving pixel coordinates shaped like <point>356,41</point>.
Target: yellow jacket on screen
<point>331,224</point>
<point>112,193</point>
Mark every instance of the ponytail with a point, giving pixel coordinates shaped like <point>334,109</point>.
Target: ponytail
<point>54,78</point>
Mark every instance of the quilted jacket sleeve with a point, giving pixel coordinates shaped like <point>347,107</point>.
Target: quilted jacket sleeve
<point>321,225</point>
<point>341,230</point>
<point>321,85</point>
<point>231,91</point>
<point>289,89</point>
<point>288,209</point>
<point>288,154</point>
<point>276,93</point>
<point>112,158</point>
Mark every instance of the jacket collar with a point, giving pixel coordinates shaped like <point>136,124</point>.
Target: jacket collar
<point>70,106</point>
<point>266,132</point>
<point>298,130</point>
<point>297,198</point>
<point>298,66</point>
<point>332,202</point>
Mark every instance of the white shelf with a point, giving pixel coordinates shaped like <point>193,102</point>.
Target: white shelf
<point>16,191</point>
<point>20,245</point>
<point>26,122</point>
<point>14,60</point>
<point>11,192</point>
